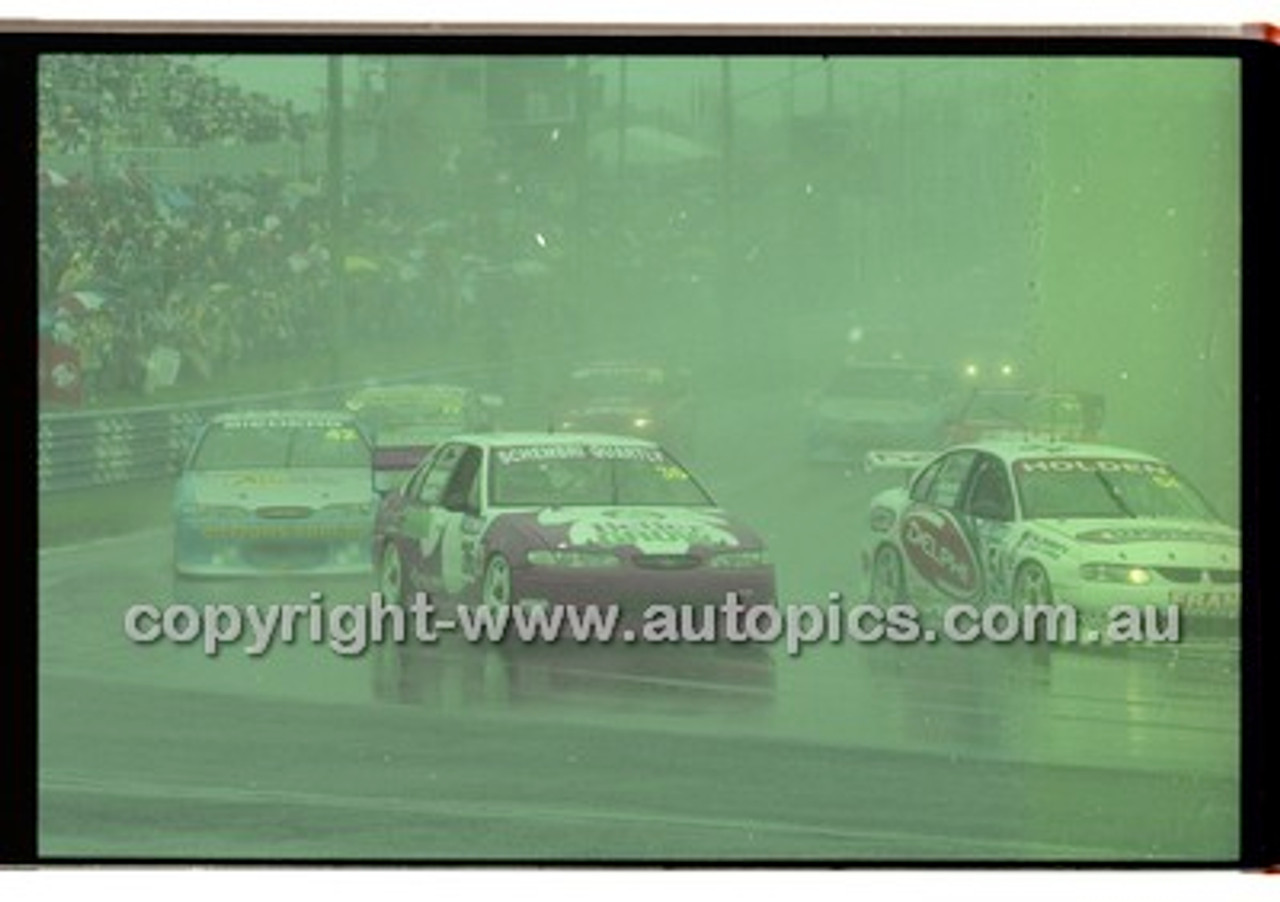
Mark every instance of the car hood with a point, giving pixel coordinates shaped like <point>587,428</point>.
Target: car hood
<point>1156,541</point>
<point>312,487</point>
<point>872,409</point>
<point>646,530</point>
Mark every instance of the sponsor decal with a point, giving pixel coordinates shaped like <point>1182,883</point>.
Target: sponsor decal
<point>531,453</point>
<point>260,479</point>
<point>1090,465</point>
<point>1038,544</point>
<point>652,532</point>
<point>939,551</point>
<point>1225,604</point>
<point>1119,536</point>
<point>288,423</point>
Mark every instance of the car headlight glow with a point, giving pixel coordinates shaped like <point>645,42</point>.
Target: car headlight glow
<point>1116,573</point>
<point>739,560</point>
<point>574,559</point>
<point>971,369</point>
<point>642,422</point>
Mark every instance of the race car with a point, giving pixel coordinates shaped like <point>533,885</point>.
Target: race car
<point>274,492</point>
<point>543,520</point>
<point>622,398</point>
<point>1023,414</point>
<point>869,405</point>
<point>1026,523</point>
<point>407,421</point>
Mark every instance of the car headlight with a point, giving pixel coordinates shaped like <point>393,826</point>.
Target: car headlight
<point>1116,573</point>
<point>739,560</point>
<point>574,559</point>
<point>642,422</point>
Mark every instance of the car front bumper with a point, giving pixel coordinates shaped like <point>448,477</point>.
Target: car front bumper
<point>321,548</point>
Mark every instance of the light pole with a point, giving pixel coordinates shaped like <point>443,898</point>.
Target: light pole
<point>336,188</point>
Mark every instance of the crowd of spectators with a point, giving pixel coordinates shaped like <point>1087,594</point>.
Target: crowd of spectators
<point>224,271</point>
<point>220,271</point>
<point>124,100</point>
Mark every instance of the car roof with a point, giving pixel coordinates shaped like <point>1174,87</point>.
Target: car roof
<point>431,391</point>
<point>549,439</point>
<point>287,415</point>
<point>1010,450</point>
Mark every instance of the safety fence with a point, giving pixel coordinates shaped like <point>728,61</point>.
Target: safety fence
<point>96,448</point>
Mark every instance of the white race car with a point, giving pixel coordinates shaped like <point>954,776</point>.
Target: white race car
<point>1090,526</point>
<point>275,492</point>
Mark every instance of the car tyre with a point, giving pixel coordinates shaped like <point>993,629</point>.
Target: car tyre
<point>1032,586</point>
<point>495,590</point>
<point>394,677</point>
<point>888,581</point>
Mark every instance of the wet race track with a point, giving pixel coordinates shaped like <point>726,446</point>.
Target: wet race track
<point>867,752</point>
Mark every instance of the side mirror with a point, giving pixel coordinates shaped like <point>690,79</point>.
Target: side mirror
<point>458,506</point>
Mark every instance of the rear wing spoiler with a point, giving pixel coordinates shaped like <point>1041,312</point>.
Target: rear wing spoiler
<point>896,460</point>
<point>399,457</point>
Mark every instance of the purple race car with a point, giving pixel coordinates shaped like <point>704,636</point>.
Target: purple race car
<point>536,521</point>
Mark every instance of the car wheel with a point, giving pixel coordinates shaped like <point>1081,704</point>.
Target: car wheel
<point>512,672</point>
<point>495,591</point>
<point>394,676</point>
<point>1031,586</point>
<point>888,584</point>
<point>391,575</point>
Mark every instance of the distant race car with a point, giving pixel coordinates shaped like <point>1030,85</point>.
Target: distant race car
<point>1089,526</point>
<point>272,492</point>
<point>870,405</point>
<point>622,398</point>
<point>407,421</point>
<point>1022,414</point>
<point>543,520</point>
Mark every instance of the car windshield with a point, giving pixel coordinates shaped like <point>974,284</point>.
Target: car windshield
<point>264,446</point>
<point>591,475</point>
<point>1102,488</point>
<point>883,384</point>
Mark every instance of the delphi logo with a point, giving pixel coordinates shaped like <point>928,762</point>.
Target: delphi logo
<point>940,553</point>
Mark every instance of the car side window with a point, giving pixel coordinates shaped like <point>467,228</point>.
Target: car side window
<point>460,490</point>
<point>920,488</point>
<point>989,496</point>
<point>945,490</point>
<point>430,489</point>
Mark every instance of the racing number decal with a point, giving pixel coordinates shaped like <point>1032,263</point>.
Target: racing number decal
<point>989,538</point>
<point>469,548</point>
